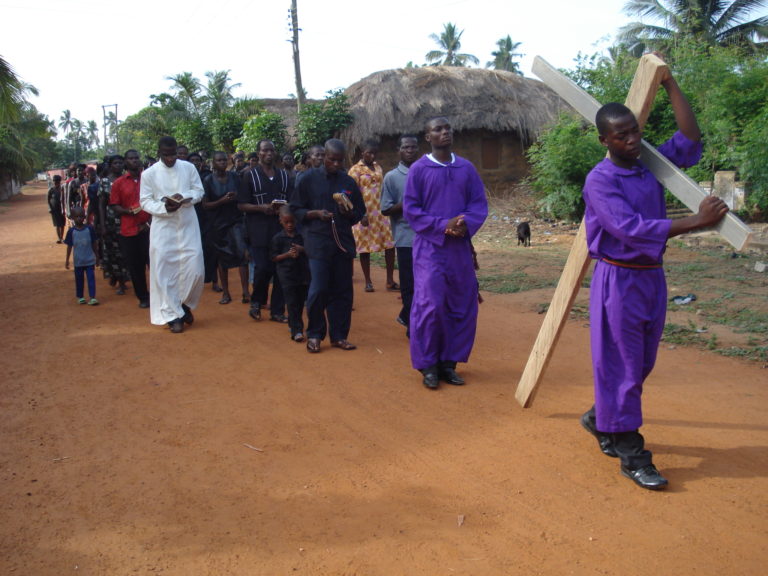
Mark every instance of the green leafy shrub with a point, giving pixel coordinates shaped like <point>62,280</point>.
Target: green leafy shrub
<point>320,121</point>
<point>560,161</point>
<point>264,126</point>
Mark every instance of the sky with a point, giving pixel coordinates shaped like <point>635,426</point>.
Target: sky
<point>85,54</point>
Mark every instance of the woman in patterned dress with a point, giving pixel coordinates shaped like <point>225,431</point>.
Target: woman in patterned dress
<point>111,258</point>
<point>373,233</point>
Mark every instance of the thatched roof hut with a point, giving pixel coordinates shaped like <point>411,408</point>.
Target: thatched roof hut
<point>495,115</point>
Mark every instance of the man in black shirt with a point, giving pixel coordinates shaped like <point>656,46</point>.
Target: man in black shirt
<point>328,203</point>
<point>263,189</point>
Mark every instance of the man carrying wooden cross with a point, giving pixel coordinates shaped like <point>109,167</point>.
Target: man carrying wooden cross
<point>627,232</point>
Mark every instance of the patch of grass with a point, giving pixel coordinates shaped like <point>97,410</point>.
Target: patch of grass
<point>756,354</point>
<point>511,282</point>
<point>689,335</point>
<point>726,311</point>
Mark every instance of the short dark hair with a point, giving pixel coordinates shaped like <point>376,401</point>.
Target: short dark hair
<point>260,142</point>
<point>56,177</point>
<point>167,142</point>
<point>431,120</point>
<point>285,210</point>
<point>194,155</point>
<point>608,113</point>
<point>113,158</point>
<point>404,136</point>
<point>370,144</point>
<point>132,150</point>
<point>335,145</point>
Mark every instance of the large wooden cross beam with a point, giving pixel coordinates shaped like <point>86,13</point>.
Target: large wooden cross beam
<point>645,84</point>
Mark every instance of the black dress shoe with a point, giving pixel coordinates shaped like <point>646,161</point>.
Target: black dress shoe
<point>144,304</point>
<point>603,440</point>
<point>187,318</point>
<point>281,318</point>
<point>449,376</point>
<point>646,477</point>
<point>177,326</point>
<point>431,380</point>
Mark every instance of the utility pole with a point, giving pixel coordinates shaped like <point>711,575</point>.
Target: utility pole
<point>294,27</point>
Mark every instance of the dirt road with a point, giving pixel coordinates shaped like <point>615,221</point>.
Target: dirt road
<point>228,450</point>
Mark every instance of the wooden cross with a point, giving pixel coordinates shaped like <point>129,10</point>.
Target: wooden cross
<point>645,84</point>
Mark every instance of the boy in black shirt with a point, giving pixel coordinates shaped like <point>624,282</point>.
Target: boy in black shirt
<point>287,252</point>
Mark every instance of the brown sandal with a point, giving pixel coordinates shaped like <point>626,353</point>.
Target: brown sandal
<point>313,345</point>
<point>344,345</point>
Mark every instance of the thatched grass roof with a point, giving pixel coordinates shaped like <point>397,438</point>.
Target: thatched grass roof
<point>392,102</point>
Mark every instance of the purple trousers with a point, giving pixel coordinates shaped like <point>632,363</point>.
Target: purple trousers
<point>627,308</point>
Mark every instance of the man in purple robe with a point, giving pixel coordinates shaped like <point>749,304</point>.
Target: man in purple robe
<point>445,205</point>
<point>627,232</point>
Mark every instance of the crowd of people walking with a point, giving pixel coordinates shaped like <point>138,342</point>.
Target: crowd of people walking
<point>291,232</point>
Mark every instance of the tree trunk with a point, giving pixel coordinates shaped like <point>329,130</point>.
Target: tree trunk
<point>296,59</point>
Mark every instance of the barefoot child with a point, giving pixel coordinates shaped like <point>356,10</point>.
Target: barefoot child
<point>627,232</point>
<point>287,252</point>
<point>85,243</point>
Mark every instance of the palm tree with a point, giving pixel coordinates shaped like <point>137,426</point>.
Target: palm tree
<point>12,93</point>
<point>188,90</point>
<point>65,122</point>
<point>503,58</point>
<point>712,21</point>
<point>111,122</point>
<point>450,43</point>
<point>76,134</point>
<point>218,92</point>
<point>93,134</point>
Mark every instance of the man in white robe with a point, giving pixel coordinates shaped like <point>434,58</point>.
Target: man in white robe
<point>168,191</point>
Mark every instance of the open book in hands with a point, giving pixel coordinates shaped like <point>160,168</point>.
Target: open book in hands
<point>177,201</point>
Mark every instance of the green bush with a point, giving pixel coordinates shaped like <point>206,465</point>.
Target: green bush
<point>264,126</point>
<point>320,121</point>
<point>194,134</point>
<point>753,152</point>
<point>560,161</point>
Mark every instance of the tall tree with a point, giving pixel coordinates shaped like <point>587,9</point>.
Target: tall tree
<point>92,130</point>
<point>713,22</point>
<point>449,42</point>
<point>188,91</point>
<point>76,134</point>
<point>65,122</point>
<point>218,92</point>
<point>504,57</point>
<point>301,96</point>
<point>12,93</point>
<point>25,134</point>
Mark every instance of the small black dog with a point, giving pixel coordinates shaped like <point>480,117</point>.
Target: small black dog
<point>523,234</point>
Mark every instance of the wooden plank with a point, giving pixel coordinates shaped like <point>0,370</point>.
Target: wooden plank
<point>669,175</point>
<point>642,93</point>
<point>689,193</point>
<point>566,88</point>
<point>562,301</point>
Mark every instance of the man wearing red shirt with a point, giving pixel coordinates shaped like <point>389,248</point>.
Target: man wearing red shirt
<point>134,225</point>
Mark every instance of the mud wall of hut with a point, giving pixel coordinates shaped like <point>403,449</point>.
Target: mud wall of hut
<point>498,157</point>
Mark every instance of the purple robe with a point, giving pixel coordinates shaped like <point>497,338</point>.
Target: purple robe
<point>626,223</point>
<point>444,310</point>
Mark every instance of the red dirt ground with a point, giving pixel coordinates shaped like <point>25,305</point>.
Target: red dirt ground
<point>229,450</point>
